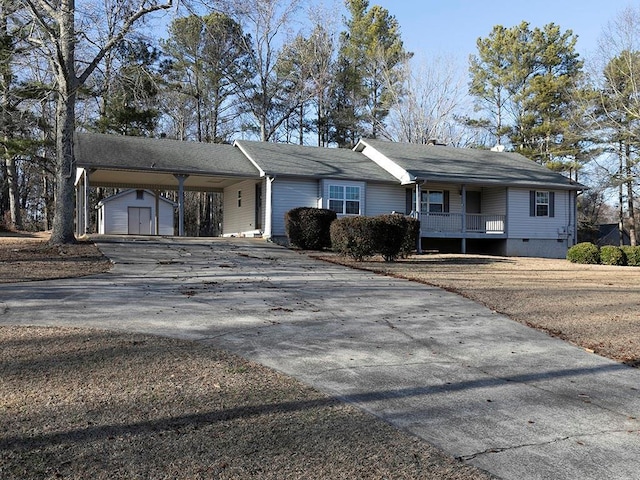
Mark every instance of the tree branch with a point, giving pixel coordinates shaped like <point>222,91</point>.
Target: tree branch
<point>141,12</point>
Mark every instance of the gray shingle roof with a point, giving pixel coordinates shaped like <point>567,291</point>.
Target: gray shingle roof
<point>469,166</point>
<point>281,159</point>
<point>95,150</point>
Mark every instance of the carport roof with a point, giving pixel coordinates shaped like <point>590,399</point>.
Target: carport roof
<point>122,161</point>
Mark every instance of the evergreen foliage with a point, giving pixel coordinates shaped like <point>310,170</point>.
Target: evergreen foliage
<point>612,255</point>
<point>632,254</point>
<point>309,228</point>
<point>584,252</point>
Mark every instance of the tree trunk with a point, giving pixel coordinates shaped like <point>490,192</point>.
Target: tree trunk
<point>9,160</point>
<point>63,224</point>
<point>630,195</point>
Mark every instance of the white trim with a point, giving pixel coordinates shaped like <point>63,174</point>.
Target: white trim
<point>246,154</point>
<point>384,162</point>
<point>268,208</point>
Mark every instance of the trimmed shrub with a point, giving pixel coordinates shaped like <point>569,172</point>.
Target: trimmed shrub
<point>411,238</point>
<point>389,233</point>
<point>353,237</point>
<point>612,255</point>
<point>584,252</point>
<point>632,254</point>
<point>309,228</point>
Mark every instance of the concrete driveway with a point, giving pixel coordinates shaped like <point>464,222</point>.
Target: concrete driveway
<point>487,390</point>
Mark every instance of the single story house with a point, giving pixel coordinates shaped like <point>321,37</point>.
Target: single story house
<point>466,199</point>
<point>132,212</point>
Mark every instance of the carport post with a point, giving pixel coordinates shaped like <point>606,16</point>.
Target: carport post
<point>181,179</point>
<point>418,210</point>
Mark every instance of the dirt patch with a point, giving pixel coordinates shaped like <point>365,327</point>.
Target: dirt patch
<point>593,306</point>
<point>28,256</point>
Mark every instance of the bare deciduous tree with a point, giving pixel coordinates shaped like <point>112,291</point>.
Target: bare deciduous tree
<point>57,35</point>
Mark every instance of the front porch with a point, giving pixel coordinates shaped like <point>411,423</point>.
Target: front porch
<point>463,225</point>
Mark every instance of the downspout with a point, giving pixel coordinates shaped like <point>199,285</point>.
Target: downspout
<point>268,208</point>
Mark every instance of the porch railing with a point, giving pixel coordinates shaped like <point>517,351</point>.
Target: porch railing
<point>458,223</point>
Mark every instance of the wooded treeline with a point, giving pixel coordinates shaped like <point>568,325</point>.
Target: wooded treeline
<point>292,71</point>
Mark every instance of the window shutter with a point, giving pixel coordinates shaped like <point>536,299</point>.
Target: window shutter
<point>445,207</point>
<point>552,202</point>
<point>409,201</point>
<point>532,203</point>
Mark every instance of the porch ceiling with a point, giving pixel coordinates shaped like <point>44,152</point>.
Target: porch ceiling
<point>159,180</point>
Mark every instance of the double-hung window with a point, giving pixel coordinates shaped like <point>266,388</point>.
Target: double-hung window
<point>434,201</point>
<point>542,204</point>
<point>345,199</point>
<point>431,201</point>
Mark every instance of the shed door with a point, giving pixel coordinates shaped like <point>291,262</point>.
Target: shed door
<point>139,220</point>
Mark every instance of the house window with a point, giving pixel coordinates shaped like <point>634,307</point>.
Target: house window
<point>432,201</point>
<point>344,199</point>
<point>239,198</point>
<point>139,194</point>
<point>542,204</point>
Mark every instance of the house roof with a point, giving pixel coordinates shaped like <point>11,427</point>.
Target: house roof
<point>137,162</point>
<point>280,159</point>
<point>434,163</point>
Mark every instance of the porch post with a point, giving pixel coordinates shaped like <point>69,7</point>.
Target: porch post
<point>156,194</point>
<point>418,215</point>
<point>268,208</point>
<point>85,192</point>
<point>463,194</point>
<point>78,209</point>
<point>181,179</point>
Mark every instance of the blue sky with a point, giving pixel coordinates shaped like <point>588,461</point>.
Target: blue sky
<point>441,27</point>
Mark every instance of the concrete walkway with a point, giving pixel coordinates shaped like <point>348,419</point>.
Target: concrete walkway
<point>487,390</point>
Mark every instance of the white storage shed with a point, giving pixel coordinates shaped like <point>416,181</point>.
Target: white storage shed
<point>133,212</point>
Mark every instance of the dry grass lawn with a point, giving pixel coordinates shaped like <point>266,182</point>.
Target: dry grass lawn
<point>79,404</point>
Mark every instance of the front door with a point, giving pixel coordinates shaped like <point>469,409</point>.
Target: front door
<point>474,202</point>
<point>473,209</point>
<point>139,220</point>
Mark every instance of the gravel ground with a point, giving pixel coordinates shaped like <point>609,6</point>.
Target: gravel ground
<point>80,403</point>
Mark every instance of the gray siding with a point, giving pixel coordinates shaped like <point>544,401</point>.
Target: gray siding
<point>494,201</point>
<point>381,199</point>
<point>115,217</point>
<point>287,194</point>
<point>521,225</point>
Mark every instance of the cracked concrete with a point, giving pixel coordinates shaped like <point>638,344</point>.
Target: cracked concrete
<point>487,390</point>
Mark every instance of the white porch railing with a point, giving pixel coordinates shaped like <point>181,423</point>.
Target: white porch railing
<point>459,223</point>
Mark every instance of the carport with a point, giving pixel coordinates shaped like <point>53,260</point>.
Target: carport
<point>145,163</point>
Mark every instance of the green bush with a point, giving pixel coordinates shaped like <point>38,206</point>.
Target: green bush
<point>353,237</point>
<point>632,254</point>
<point>584,252</point>
<point>411,237</point>
<point>612,255</point>
<point>309,228</point>
<point>389,233</point>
